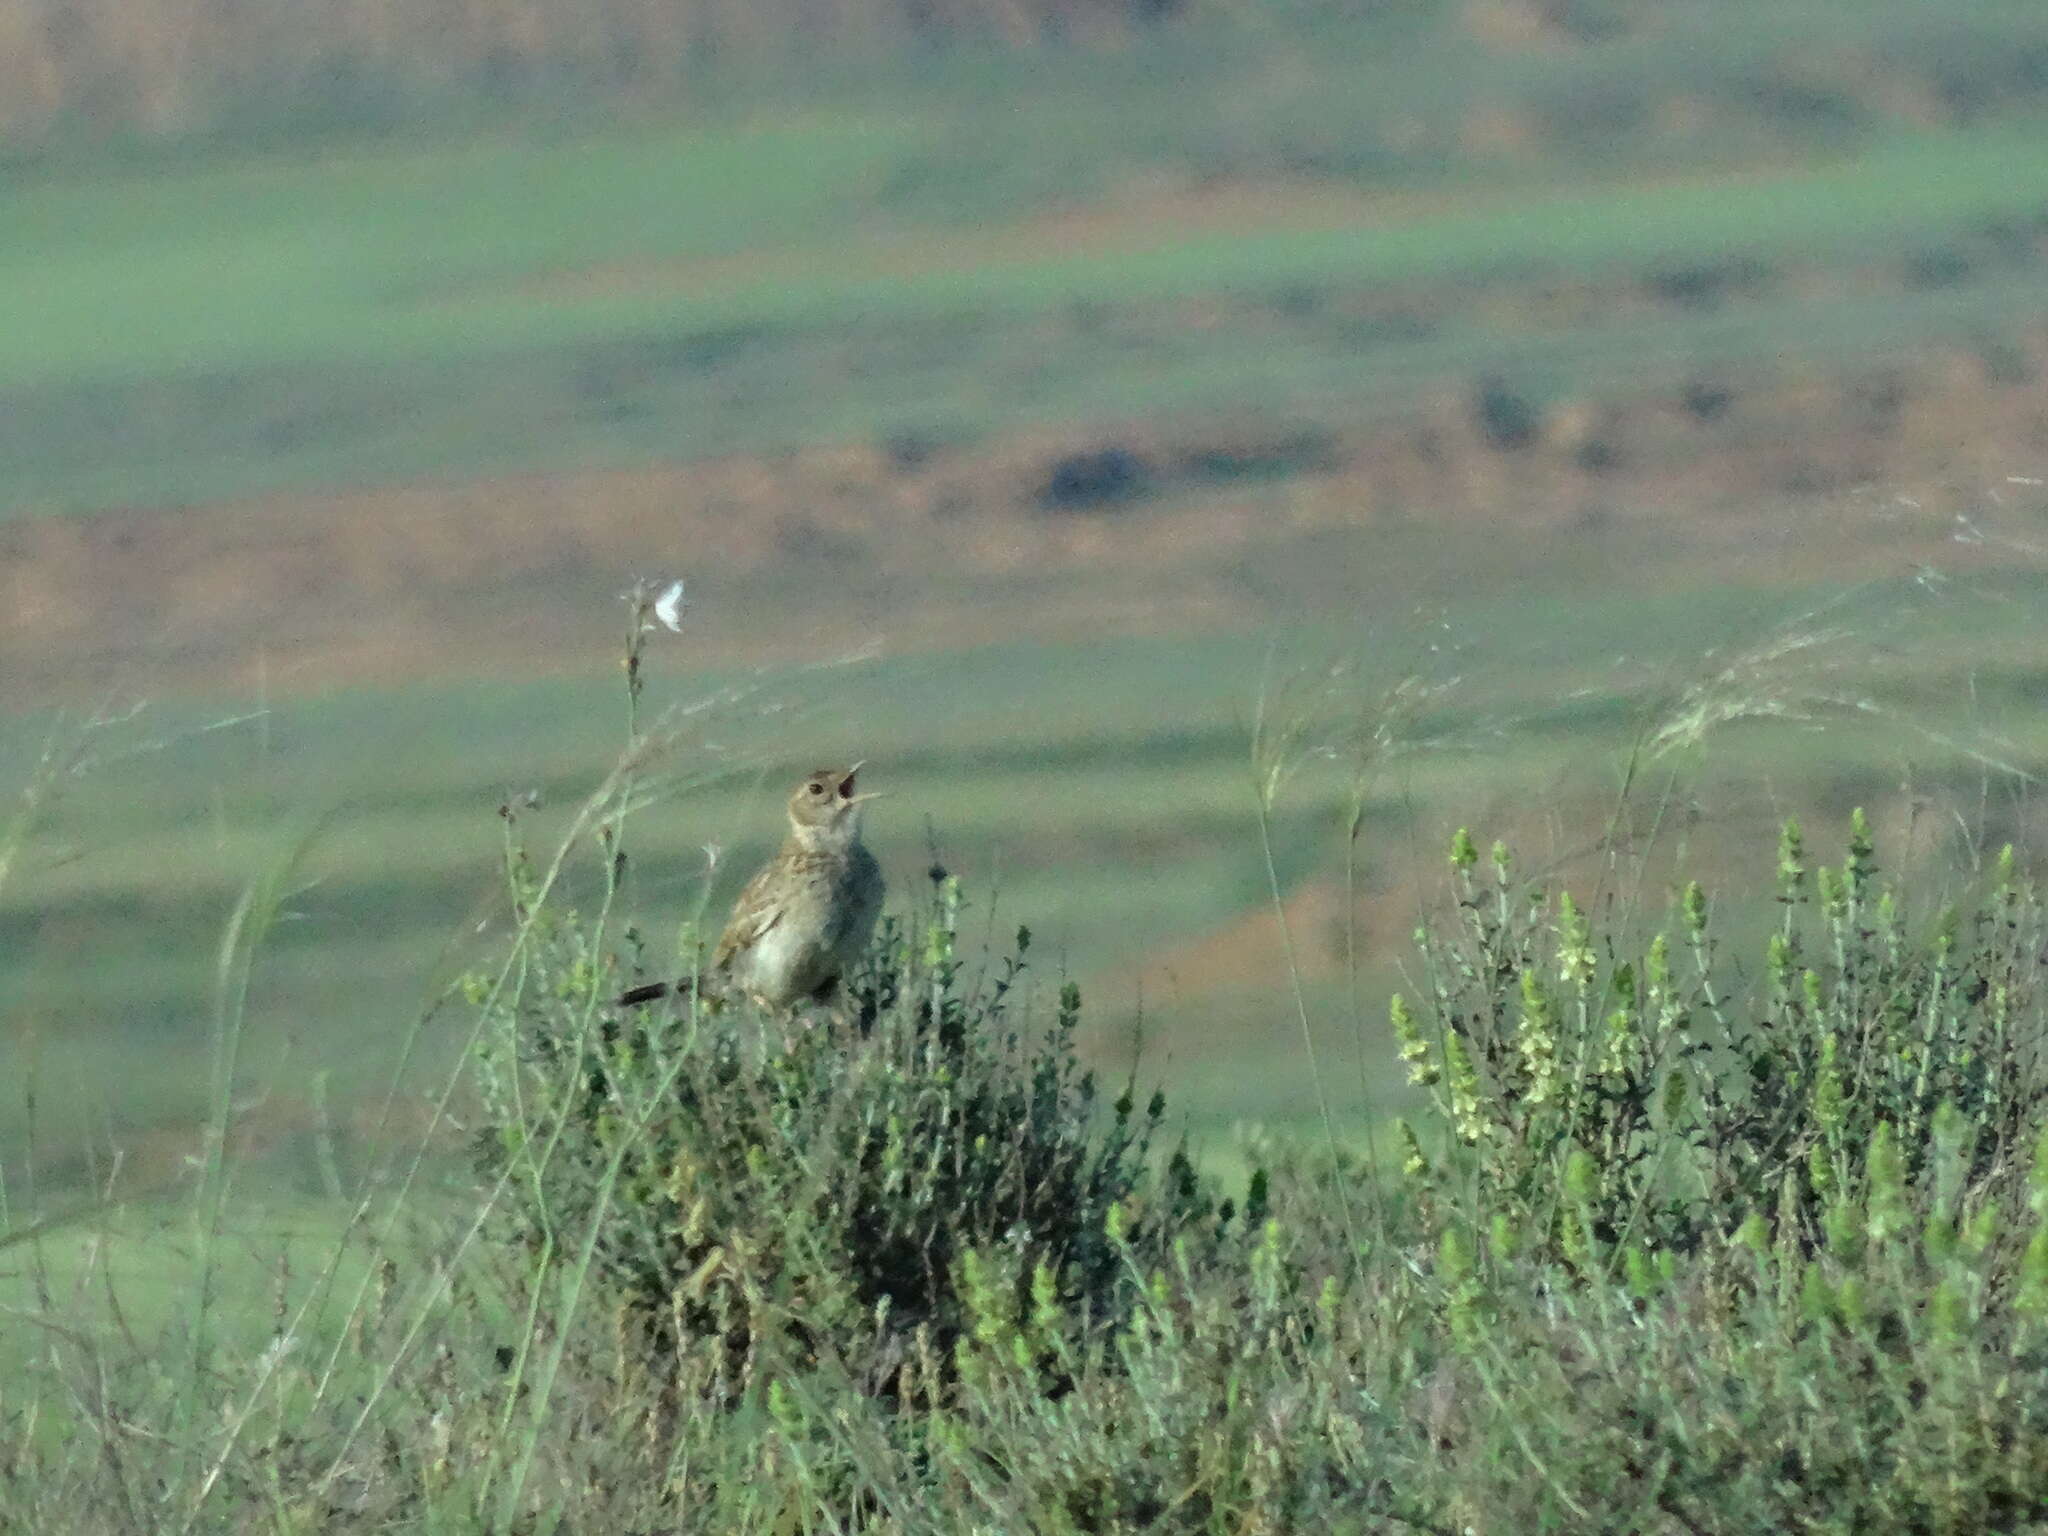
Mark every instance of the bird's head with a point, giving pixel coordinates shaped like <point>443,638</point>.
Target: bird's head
<point>824,811</point>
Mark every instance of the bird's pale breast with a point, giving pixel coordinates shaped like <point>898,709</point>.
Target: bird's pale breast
<point>826,909</point>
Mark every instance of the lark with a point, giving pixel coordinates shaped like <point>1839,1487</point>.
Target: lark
<point>807,915</point>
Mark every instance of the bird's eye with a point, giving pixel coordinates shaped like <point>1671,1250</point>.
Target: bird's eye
<point>817,789</point>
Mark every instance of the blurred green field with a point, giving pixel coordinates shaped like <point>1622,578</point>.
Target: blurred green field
<point>1297,224</point>
<point>996,244</point>
<point>1100,793</point>
<point>418,256</point>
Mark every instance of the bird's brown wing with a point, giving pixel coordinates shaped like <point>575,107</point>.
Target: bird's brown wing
<point>752,915</point>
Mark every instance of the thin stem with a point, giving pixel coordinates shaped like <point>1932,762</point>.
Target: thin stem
<point>1372,1157</point>
<point>1308,1041</point>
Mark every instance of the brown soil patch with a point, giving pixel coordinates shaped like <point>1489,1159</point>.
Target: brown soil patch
<point>812,553</point>
<point>1556,837</point>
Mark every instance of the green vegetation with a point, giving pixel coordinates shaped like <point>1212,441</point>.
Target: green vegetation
<point>1673,1243</point>
<point>255,339</point>
<point>888,254</point>
<point>409,258</point>
<point>1116,818</point>
<point>1658,1207</point>
<point>885,1146</point>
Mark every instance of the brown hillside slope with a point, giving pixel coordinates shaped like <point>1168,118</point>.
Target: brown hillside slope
<point>1034,535</point>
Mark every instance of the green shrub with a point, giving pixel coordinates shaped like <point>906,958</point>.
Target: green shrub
<point>1604,1100</point>
<point>1673,1251</point>
<point>823,1185</point>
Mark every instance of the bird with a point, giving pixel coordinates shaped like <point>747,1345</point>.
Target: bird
<point>806,916</point>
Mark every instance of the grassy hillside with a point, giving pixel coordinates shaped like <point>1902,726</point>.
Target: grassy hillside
<point>1200,462</point>
<point>1101,794</point>
<point>1318,216</point>
<point>1407,240</point>
<point>222,331</point>
<point>1689,1230</point>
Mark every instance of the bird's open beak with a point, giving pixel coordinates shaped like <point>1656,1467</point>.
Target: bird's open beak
<point>846,785</point>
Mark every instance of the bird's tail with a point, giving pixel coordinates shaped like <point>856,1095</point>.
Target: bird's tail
<point>653,991</point>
